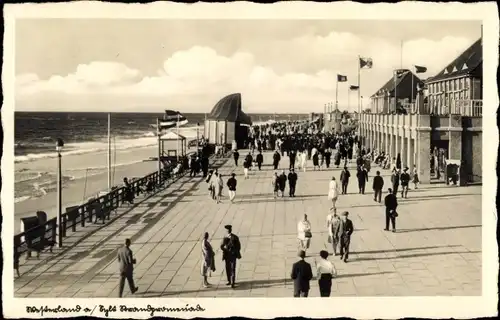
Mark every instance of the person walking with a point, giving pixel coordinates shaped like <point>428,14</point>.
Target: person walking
<point>326,272</point>
<point>416,181</point>
<point>236,156</point>
<point>333,194</point>
<point>282,183</point>
<point>391,204</point>
<point>259,159</point>
<point>126,262</point>
<point>276,184</point>
<point>303,163</point>
<point>344,178</point>
<point>292,182</point>
<point>208,259</point>
<point>231,248</point>
<point>247,164</point>
<point>328,158</point>
<point>276,160</point>
<point>362,176</point>
<point>292,156</point>
<point>304,233</point>
<point>219,185</point>
<point>315,158</point>
<point>211,190</point>
<point>332,224</point>
<point>405,181</point>
<point>344,232</point>
<point>231,186</point>
<point>378,185</point>
<point>395,180</point>
<point>301,276</point>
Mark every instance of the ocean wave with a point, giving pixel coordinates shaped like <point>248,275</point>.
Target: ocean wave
<point>104,167</point>
<point>34,176</point>
<point>21,199</point>
<point>124,142</point>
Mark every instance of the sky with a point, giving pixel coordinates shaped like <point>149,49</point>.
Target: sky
<point>283,66</point>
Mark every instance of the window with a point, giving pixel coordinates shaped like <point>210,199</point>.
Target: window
<point>466,95</point>
<point>452,85</point>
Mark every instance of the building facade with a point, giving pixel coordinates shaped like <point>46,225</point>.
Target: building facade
<point>459,85</point>
<point>403,88</point>
<point>447,129</point>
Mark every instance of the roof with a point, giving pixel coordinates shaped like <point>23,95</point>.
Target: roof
<point>464,64</point>
<point>390,85</point>
<point>171,135</point>
<point>229,109</point>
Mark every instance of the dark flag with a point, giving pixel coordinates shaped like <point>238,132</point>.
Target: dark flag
<point>420,69</point>
<point>353,88</point>
<point>366,63</point>
<point>171,119</point>
<point>341,78</point>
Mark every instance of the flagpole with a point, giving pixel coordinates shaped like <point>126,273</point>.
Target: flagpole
<point>348,97</point>
<point>177,137</point>
<point>359,84</point>
<point>412,84</point>
<point>109,152</point>
<point>395,75</point>
<point>337,94</point>
<point>159,147</point>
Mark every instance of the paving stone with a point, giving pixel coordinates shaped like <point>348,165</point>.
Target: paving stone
<point>433,252</point>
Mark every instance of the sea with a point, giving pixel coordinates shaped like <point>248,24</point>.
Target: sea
<point>84,134</point>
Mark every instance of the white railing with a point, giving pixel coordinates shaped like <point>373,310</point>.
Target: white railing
<point>469,108</point>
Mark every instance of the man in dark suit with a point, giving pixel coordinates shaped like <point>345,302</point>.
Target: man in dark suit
<point>391,204</point>
<point>292,182</point>
<point>276,159</point>
<point>259,159</point>
<point>344,178</point>
<point>231,248</point>
<point>344,232</point>
<point>362,176</point>
<point>301,275</point>
<point>126,261</point>
<point>378,185</point>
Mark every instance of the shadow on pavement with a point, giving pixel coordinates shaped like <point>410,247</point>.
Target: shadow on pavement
<point>248,285</point>
<point>440,228</point>
<point>401,250</point>
<point>416,255</point>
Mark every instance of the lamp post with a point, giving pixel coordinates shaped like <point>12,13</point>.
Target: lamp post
<point>197,138</point>
<point>59,147</point>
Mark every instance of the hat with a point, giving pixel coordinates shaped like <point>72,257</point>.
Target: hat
<point>233,174</point>
<point>345,213</point>
<point>228,227</point>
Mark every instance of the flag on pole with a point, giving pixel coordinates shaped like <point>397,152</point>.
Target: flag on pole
<point>420,69</point>
<point>354,88</point>
<point>366,63</point>
<point>341,78</point>
<point>172,119</point>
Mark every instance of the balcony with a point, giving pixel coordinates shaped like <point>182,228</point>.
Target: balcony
<point>468,108</point>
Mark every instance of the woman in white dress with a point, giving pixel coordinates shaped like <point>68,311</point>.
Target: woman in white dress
<point>303,161</point>
<point>304,233</point>
<point>333,194</point>
<point>299,160</point>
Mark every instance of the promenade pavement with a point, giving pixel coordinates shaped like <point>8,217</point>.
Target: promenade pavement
<point>436,251</point>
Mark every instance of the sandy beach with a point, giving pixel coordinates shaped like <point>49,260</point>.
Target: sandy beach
<point>129,164</point>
